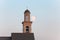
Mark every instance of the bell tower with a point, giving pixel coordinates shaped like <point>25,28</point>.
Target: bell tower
<point>27,23</point>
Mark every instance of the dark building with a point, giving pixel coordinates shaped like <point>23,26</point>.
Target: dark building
<point>27,34</point>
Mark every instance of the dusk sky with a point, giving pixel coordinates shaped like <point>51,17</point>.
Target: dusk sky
<point>44,13</point>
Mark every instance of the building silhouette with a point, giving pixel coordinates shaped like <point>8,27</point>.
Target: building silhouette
<point>27,34</point>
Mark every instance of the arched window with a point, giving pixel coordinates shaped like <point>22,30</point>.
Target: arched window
<point>27,29</point>
<point>26,18</point>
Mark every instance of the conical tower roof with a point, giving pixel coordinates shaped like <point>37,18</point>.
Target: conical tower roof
<point>27,11</point>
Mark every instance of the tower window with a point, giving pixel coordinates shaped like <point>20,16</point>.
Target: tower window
<point>27,28</point>
<point>26,18</point>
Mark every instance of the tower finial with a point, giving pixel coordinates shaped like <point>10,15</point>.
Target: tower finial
<point>27,7</point>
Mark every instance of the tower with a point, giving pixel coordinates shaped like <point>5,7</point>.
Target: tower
<point>26,35</point>
<point>27,23</point>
